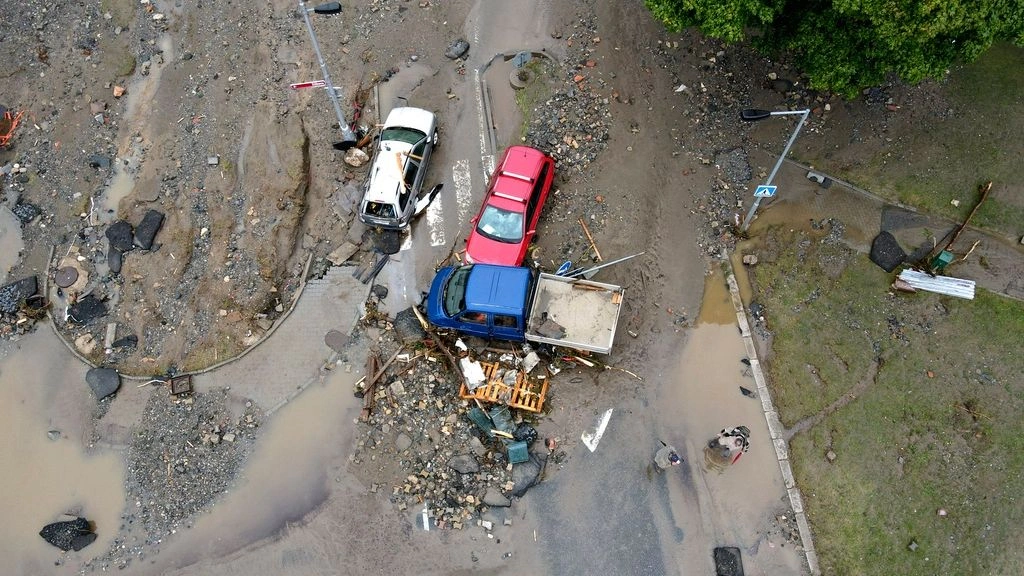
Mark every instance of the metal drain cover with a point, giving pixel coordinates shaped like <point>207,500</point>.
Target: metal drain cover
<point>66,276</point>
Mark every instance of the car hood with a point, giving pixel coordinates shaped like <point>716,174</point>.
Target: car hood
<point>483,250</point>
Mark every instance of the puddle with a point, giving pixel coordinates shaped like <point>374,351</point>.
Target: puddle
<point>710,373</point>
<point>716,306</point>
<point>11,243</point>
<point>43,389</point>
<point>290,475</point>
<point>129,159</point>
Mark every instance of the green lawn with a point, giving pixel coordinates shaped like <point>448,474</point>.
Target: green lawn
<point>938,427</point>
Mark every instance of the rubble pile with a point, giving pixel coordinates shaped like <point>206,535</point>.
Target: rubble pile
<point>183,455</point>
<point>445,463</point>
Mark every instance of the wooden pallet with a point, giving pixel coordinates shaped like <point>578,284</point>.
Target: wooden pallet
<point>523,395</point>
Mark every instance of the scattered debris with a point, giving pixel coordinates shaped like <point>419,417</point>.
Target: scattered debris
<point>748,392</point>
<point>938,284</point>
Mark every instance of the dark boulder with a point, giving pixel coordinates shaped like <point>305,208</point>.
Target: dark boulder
<point>146,231</point>
<point>26,212</point>
<point>87,309</point>
<point>103,381</point>
<point>120,236</point>
<point>527,474</point>
<point>99,161</point>
<point>408,328</point>
<point>69,534</point>
<point>886,251</point>
<point>114,260</point>
<point>129,341</point>
<point>13,294</point>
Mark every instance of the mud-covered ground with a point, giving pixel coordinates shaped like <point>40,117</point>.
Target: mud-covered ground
<point>183,109</point>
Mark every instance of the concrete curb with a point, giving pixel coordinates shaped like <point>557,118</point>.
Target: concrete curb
<point>775,427</point>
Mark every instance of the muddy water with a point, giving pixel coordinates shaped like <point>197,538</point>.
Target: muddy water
<point>11,243</point>
<point>290,475</point>
<point>736,504</point>
<point>43,390</point>
<point>716,306</point>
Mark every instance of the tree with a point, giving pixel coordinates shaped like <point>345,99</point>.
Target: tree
<point>846,45</point>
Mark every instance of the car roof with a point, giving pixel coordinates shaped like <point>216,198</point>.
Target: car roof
<point>497,289</point>
<point>515,176</point>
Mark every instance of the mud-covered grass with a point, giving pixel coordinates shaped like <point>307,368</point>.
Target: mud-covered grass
<point>939,426</point>
<point>951,136</point>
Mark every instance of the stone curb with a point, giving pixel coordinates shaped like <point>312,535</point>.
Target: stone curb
<point>775,427</point>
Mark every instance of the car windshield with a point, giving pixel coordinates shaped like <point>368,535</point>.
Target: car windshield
<point>501,225</point>
<point>455,291</point>
<point>407,135</point>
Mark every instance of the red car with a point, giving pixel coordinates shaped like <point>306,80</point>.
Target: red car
<point>507,222</point>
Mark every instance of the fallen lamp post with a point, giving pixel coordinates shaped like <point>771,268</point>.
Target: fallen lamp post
<point>348,137</point>
<point>754,115</point>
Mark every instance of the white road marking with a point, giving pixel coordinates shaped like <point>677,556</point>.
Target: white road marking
<point>407,241</point>
<point>435,220</point>
<point>463,180</point>
<point>591,440</point>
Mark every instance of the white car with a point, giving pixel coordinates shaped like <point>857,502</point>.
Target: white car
<point>399,168</point>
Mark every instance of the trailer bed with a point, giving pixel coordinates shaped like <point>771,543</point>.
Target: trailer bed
<point>574,313</point>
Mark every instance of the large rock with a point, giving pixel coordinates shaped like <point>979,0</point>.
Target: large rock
<point>464,464</point>
<point>527,474</point>
<point>146,231</point>
<point>408,327</point>
<point>494,497</point>
<point>121,236</point>
<point>103,381</point>
<point>886,251</point>
<point>87,309</point>
<point>114,260</point>
<point>69,535</point>
<point>13,294</point>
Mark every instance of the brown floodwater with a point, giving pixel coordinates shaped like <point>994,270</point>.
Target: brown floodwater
<point>42,394</point>
<point>716,306</point>
<point>11,243</point>
<point>733,513</point>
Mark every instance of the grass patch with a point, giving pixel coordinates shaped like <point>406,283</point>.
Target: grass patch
<point>536,92</point>
<point>947,155</point>
<point>938,427</point>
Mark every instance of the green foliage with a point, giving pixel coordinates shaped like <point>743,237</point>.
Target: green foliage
<point>846,45</point>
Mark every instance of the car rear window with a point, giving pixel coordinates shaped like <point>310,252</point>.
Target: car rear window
<point>407,135</point>
<point>379,210</point>
<point>501,225</point>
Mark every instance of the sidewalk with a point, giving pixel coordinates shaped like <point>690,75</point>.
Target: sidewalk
<point>992,265</point>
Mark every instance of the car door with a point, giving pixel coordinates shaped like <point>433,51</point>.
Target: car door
<point>506,327</point>
<point>475,323</point>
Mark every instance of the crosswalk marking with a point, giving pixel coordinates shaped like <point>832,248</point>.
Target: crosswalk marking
<point>463,188</point>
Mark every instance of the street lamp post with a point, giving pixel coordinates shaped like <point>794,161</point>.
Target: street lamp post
<point>348,138</point>
<point>753,115</point>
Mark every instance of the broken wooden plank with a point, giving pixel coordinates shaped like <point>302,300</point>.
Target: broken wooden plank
<point>591,238</point>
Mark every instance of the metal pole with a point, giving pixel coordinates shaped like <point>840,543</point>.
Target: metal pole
<point>348,137</point>
<point>778,164</point>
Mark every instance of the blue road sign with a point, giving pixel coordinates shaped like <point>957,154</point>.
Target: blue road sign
<point>765,191</point>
